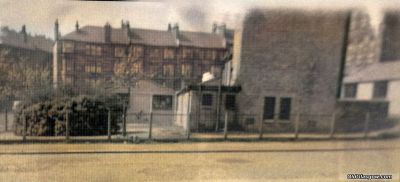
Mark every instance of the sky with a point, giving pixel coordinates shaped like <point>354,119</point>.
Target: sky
<point>197,15</point>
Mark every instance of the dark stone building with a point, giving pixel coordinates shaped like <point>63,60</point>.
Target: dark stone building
<point>169,57</point>
<point>289,62</point>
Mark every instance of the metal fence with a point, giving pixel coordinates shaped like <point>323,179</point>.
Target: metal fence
<point>139,127</point>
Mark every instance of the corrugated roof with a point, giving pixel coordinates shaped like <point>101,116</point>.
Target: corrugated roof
<point>374,72</point>
<point>95,34</point>
<point>15,39</point>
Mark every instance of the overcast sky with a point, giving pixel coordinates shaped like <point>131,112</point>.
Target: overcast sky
<point>39,15</point>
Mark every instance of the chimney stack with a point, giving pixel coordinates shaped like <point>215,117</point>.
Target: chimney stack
<point>24,34</point>
<point>175,30</point>
<point>214,27</point>
<point>56,31</point>
<point>77,26</point>
<point>169,27</point>
<point>122,24</point>
<point>221,29</point>
<point>107,33</point>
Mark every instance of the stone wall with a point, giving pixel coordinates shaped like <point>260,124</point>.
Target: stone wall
<point>293,53</point>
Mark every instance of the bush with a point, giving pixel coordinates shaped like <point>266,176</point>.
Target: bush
<point>87,116</point>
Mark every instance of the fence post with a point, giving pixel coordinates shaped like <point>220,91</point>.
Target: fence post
<point>366,125</point>
<point>296,126</point>
<point>67,123</point>
<point>25,126</point>
<point>188,125</point>
<point>6,117</point>
<point>261,129</point>
<point>109,125</point>
<point>333,122</point>
<point>150,125</point>
<point>124,120</point>
<point>226,126</point>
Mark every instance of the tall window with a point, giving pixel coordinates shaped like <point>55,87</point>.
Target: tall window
<point>207,99</point>
<point>285,107</point>
<point>186,53</point>
<point>186,70</point>
<point>138,51</point>
<point>380,89</point>
<point>93,50</point>
<point>168,70</point>
<point>135,68</point>
<point>350,90</point>
<point>230,101</point>
<point>269,107</point>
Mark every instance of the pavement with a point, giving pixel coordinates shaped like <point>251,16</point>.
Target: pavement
<point>216,161</point>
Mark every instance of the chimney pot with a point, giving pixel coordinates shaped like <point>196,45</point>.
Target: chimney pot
<point>56,30</point>
<point>77,26</point>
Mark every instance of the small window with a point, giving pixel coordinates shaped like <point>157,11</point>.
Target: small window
<point>207,99</point>
<point>380,89</point>
<point>230,101</point>
<point>162,102</point>
<point>119,52</point>
<point>285,107</point>
<point>350,90</point>
<point>168,70</point>
<point>269,107</point>
<point>186,70</point>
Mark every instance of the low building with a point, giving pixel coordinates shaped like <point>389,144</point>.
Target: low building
<point>148,97</point>
<point>375,82</point>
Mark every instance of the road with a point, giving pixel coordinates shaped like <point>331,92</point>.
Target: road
<point>219,161</point>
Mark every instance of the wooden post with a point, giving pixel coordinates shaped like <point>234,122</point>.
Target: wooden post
<point>366,125</point>
<point>226,126</point>
<point>150,125</point>
<point>67,123</point>
<point>333,122</point>
<point>109,125</point>
<point>6,117</point>
<point>261,129</point>
<point>25,126</point>
<point>296,126</point>
<point>188,125</point>
<point>123,120</point>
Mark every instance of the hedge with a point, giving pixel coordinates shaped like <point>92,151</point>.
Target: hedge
<point>87,115</point>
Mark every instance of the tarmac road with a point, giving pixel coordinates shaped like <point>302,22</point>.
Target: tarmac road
<point>219,161</point>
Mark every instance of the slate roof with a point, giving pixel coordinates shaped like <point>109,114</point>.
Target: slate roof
<point>374,72</point>
<point>95,34</point>
<point>15,39</point>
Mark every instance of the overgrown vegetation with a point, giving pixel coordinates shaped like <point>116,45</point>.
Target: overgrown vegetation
<point>87,116</point>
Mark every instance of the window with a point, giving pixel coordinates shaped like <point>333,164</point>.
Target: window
<point>269,107</point>
<point>169,54</point>
<point>162,102</point>
<point>93,50</point>
<point>230,101</point>
<point>155,53</point>
<point>207,99</point>
<point>119,52</point>
<point>187,53</point>
<point>138,51</point>
<point>168,70</point>
<point>186,70</point>
<point>380,89</point>
<point>285,106</point>
<point>135,68</point>
<point>350,90</point>
<point>68,47</point>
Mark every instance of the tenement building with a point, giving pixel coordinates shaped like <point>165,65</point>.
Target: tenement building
<point>170,57</point>
<point>16,46</point>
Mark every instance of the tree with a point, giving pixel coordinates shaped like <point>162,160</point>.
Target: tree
<point>22,78</point>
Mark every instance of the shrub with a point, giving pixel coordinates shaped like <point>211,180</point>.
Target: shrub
<point>87,116</point>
